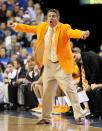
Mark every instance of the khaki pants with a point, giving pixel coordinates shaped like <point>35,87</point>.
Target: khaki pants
<point>54,73</point>
<point>38,88</point>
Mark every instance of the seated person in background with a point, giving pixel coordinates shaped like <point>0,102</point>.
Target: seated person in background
<point>1,86</point>
<point>8,76</point>
<point>4,59</point>
<point>37,87</point>
<point>83,98</point>
<point>16,82</point>
<point>96,86</point>
<point>32,75</point>
<point>90,65</point>
<point>2,68</point>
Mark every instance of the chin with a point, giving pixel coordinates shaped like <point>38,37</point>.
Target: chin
<point>77,61</point>
<point>51,24</point>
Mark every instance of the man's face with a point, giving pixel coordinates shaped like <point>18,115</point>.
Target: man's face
<point>52,19</point>
<point>77,57</point>
<point>2,52</point>
<point>10,67</point>
<point>30,64</point>
<point>16,65</point>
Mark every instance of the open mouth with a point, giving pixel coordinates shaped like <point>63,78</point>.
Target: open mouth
<point>50,22</point>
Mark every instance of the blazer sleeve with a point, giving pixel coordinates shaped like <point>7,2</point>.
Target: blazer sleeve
<point>26,28</point>
<point>74,33</point>
<point>94,67</point>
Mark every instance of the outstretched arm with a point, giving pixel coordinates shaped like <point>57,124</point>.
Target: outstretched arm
<point>76,33</point>
<point>22,27</point>
<point>94,86</point>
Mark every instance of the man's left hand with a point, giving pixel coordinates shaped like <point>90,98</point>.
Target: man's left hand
<point>86,34</point>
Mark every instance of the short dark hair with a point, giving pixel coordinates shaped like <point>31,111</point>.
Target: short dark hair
<point>55,11</point>
<point>19,61</point>
<point>2,68</point>
<point>10,63</point>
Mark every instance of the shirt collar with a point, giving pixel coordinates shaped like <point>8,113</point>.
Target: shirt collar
<point>19,70</point>
<point>49,28</point>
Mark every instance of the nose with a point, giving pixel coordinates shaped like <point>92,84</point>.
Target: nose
<point>50,18</point>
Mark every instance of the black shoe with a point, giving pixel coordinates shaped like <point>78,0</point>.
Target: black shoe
<point>27,108</point>
<point>43,121</point>
<point>21,108</point>
<point>2,107</point>
<point>14,107</point>
<point>69,113</point>
<point>6,106</point>
<point>93,116</point>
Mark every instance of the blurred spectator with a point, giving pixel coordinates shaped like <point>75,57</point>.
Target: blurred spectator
<point>2,45</point>
<point>26,96</point>
<point>23,3</point>
<point>16,82</point>
<point>3,57</point>
<point>4,7</point>
<point>7,39</point>
<point>30,10</point>
<point>10,14</point>
<point>39,15</point>
<point>10,4</point>
<point>1,2</point>
<point>18,20</point>
<point>76,49</point>
<point>33,44</point>
<point>17,50</point>
<point>14,57</point>
<point>2,68</point>
<point>2,15</point>
<point>26,18</point>
<point>21,13</point>
<point>16,9</point>
<point>30,51</point>
<point>8,76</point>
<point>15,45</point>
<point>2,29</point>
<point>24,54</point>
<point>21,38</point>
<point>1,84</point>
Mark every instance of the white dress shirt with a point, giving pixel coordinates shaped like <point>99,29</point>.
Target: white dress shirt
<point>52,55</point>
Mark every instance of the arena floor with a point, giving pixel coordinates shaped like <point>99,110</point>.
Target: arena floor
<point>26,121</point>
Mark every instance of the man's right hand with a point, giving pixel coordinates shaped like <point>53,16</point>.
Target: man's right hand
<point>11,24</point>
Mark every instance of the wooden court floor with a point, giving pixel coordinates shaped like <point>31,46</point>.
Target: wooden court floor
<point>13,121</point>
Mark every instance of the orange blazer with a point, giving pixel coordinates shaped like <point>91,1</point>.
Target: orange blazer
<point>63,34</point>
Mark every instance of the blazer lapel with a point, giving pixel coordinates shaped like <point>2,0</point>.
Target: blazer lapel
<point>40,45</point>
<point>57,35</point>
<point>42,35</point>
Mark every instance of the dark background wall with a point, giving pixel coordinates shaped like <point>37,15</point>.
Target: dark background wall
<point>83,17</point>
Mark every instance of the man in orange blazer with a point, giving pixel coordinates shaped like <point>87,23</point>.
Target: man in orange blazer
<point>54,52</point>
